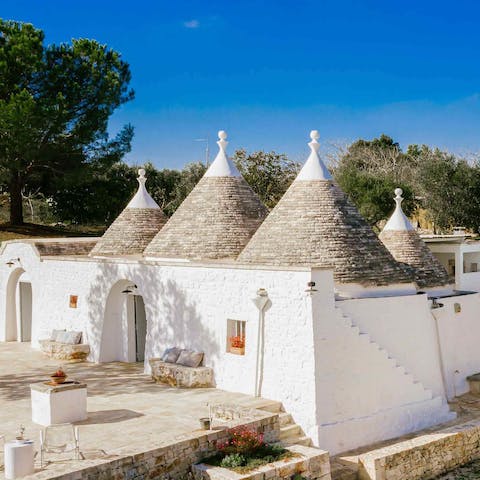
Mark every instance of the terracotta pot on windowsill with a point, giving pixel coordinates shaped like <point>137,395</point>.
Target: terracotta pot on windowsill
<point>237,350</point>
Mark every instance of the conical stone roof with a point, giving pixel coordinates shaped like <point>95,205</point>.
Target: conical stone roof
<point>135,227</point>
<point>407,247</point>
<point>216,220</point>
<point>314,224</point>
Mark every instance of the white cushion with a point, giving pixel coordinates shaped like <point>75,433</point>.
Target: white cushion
<point>72,338</point>
<point>189,358</point>
<point>56,334</point>
<point>171,355</point>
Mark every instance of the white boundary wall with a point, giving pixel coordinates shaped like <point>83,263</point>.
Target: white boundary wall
<point>459,340</point>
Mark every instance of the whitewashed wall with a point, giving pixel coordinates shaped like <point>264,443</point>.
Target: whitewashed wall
<point>459,340</point>
<point>339,386</point>
<point>405,327</point>
<point>186,306</point>
<point>363,395</point>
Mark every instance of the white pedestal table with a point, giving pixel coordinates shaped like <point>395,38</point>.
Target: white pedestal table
<point>64,403</point>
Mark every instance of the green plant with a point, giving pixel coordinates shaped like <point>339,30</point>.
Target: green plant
<point>233,460</point>
<point>297,476</point>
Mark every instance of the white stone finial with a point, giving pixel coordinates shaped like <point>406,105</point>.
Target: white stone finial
<point>398,198</point>
<point>222,166</point>
<point>314,168</point>
<point>222,143</point>
<point>141,176</point>
<point>314,135</point>
<point>142,199</point>
<point>314,145</point>
<point>398,220</point>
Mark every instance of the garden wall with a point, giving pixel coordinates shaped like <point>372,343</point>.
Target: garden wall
<point>423,457</point>
<point>172,461</point>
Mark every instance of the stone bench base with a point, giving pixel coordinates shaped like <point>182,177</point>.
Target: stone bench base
<point>65,351</point>
<point>179,375</point>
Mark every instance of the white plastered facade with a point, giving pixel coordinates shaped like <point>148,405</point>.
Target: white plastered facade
<point>350,372</point>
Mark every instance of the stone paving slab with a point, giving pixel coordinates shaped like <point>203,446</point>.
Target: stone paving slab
<point>127,412</point>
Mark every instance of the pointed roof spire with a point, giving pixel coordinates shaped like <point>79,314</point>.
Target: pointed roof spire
<point>133,229</point>
<point>398,220</point>
<point>142,198</point>
<point>217,218</point>
<point>408,248</point>
<point>222,166</point>
<point>315,224</point>
<point>314,168</point>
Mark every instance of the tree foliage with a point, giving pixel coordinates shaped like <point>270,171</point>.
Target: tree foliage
<point>446,186</point>
<point>268,173</point>
<point>449,188</point>
<point>100,197</point>
<point>369,172</point>
<point>55,102</point>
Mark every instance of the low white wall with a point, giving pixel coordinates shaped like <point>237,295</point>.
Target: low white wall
<point>404,326</point>
<point>470,281</point>
<point>459,340</point>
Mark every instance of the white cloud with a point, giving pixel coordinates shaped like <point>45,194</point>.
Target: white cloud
<point>194,23</point>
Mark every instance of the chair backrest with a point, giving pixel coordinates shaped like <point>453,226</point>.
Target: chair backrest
<point>60,437</point>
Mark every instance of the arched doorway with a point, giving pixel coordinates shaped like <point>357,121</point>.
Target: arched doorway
<point>18,315</point>
<point>124,328</point>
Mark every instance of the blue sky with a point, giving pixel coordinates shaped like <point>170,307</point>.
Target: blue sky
<point>269,72</point>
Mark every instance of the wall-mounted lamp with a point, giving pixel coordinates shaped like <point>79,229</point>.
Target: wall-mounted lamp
<point>129,289</point>
<point>311,288</point>
<point>436,303</point>
<point>12,262</point>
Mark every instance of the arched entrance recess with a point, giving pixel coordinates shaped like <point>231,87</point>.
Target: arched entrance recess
<point>18,315</point>
<point>124,328</point>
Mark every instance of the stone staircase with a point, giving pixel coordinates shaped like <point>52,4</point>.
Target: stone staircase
<point>408,380</point>
<point>424,393</point>
<point>290,432</point>
<point>379,399</point>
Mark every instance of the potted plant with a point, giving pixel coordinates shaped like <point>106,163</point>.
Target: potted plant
<point>59,376</point>
<point>237,345</point>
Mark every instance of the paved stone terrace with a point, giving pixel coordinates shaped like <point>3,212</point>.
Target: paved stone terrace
<point>127,411</point>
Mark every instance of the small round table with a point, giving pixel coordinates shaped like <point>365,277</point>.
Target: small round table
<point>18,459</point>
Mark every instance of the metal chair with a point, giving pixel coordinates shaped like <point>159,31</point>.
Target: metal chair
<point>60,438</point>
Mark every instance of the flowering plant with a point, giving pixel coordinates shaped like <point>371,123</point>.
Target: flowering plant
<point>237,341</point>
<point>243,441</point>
<point>59,372</point>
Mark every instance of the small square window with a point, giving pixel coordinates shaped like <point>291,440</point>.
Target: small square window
<point>236,336</point>
<point>73,301</point>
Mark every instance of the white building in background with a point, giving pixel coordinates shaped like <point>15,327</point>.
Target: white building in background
<point>348,340</point>
<point>460,256</point>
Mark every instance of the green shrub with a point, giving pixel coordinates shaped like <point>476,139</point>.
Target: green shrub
<point>233,460</point>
